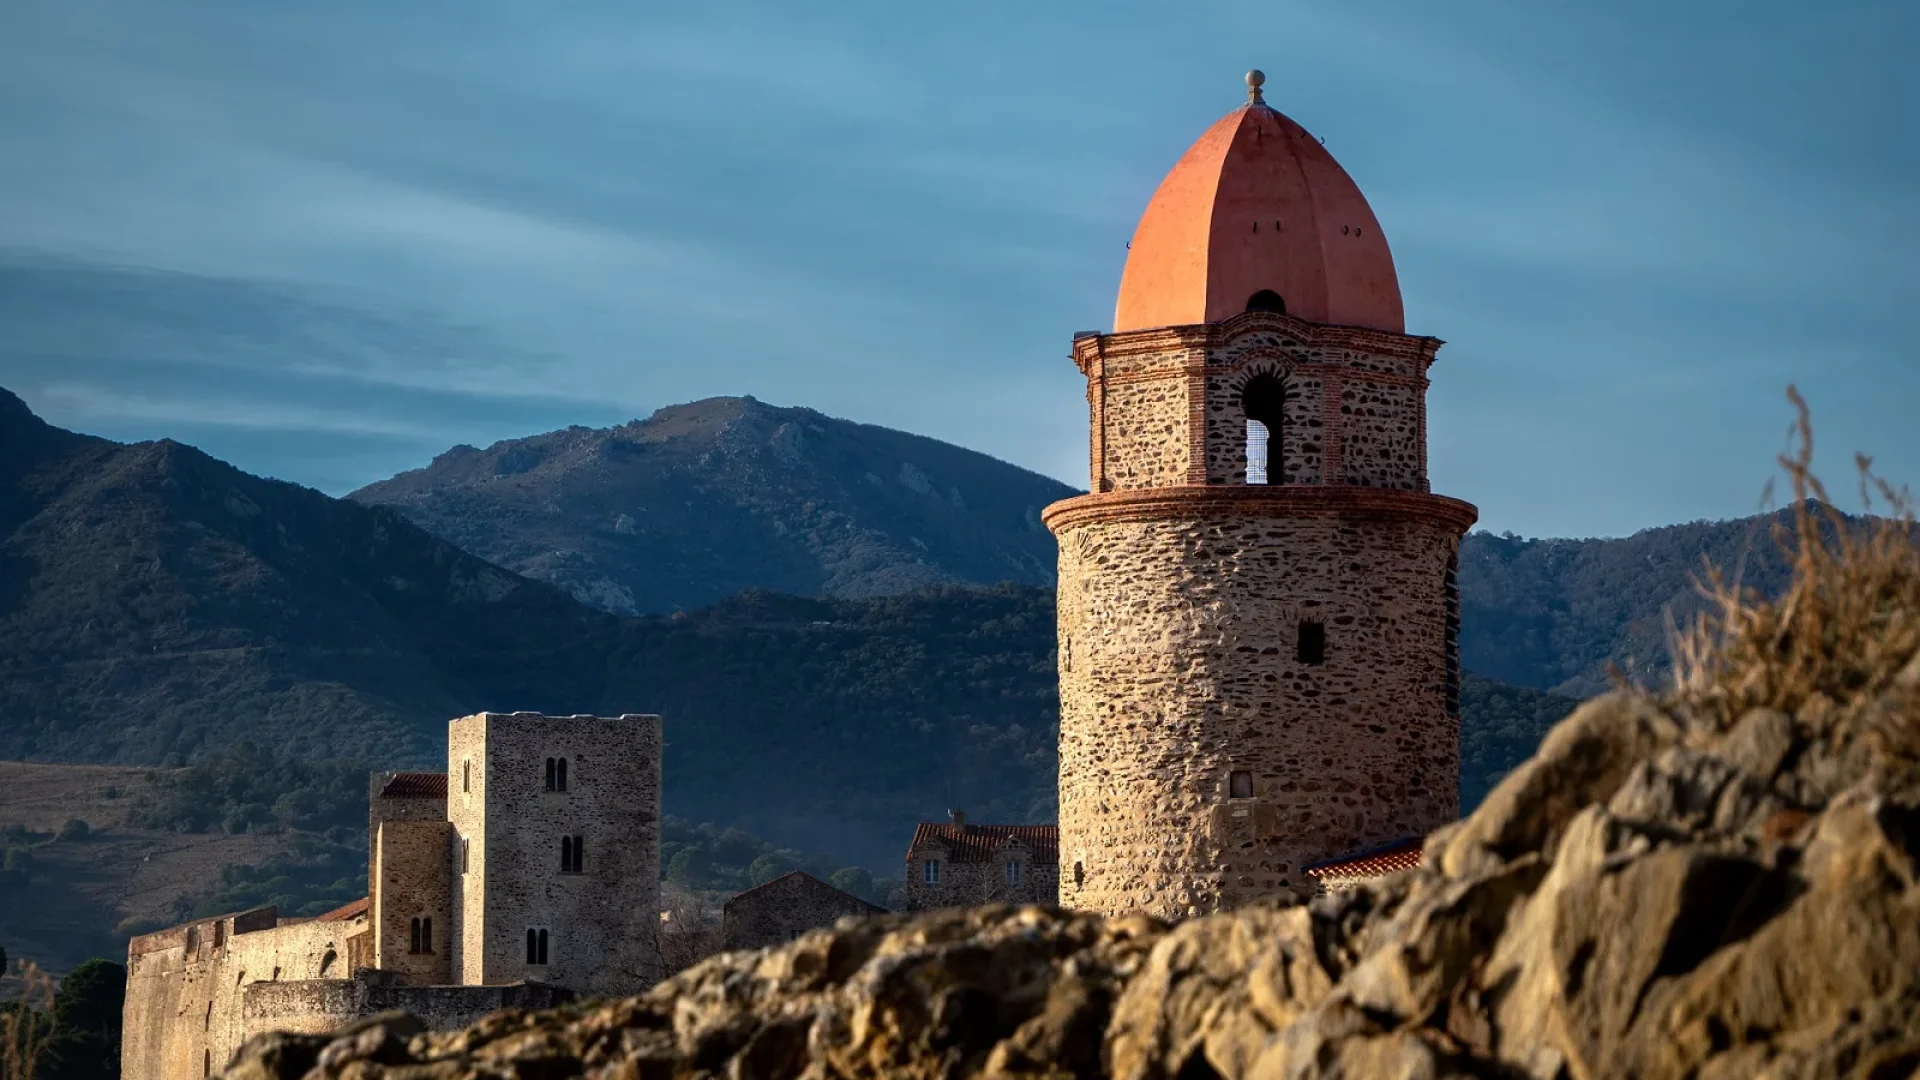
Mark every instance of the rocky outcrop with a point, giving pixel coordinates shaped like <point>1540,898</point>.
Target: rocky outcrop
<point>1720,882</point>
<point>1643,898</point>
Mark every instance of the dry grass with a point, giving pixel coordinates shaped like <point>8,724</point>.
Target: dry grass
<point>1837,638</point>
<point>25,1024</point>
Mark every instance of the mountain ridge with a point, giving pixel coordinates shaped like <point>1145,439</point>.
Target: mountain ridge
<point>701,500</point>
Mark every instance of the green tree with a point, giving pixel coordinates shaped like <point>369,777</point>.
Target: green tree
<point>86,1023</point>
<point>767,867</point>
<point>855,880</point>
<point>75,829</point>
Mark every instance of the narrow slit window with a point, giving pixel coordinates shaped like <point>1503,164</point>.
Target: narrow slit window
<point>466,776</point>
<point>572,854</point>
<point>1313,643</point>
<point>465,844</point>
<point>426,933</point>
<point>536,946</point>
<point>550,773</point>
<point>1240,784</point>
<point>561,776</point>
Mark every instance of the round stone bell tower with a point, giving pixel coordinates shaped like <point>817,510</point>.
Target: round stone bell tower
<point>1258,619</point>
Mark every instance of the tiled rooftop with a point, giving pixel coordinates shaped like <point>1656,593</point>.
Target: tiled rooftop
<point>979,843</point>
<point>1374,862</point>
<point>416,785</point>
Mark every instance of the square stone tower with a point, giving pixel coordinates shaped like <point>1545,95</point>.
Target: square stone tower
<point>1258,616</point>
<point>555,849</point>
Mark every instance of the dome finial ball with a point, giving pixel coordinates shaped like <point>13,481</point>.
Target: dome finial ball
<point>1255,79</point>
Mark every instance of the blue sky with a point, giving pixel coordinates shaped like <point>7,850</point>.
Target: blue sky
<point>327,241</point>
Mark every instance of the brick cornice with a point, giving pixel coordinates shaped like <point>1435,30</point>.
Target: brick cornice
<point>1193,501</point>
<point>1217,334</point>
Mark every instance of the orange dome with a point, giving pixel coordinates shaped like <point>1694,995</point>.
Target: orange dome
<point>1257,207</point>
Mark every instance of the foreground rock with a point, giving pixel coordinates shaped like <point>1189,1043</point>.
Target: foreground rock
<point>1719,883</point>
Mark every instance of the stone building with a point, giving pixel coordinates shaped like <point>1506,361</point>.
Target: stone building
<point>527,871</point>
<point>1258,616</point>
<point>956,864</point>
<point>777,911</point>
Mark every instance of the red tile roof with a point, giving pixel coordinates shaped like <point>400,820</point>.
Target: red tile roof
<point>416,785</point>
<point>979,843</point>
<point>346,911</point>
<point>1374,862</point>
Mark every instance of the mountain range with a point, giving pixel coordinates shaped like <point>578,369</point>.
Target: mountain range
<point>157,604</point>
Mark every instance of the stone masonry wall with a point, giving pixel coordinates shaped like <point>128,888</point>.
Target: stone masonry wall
<point>600,922</point>
<point>466,813</point>
<point>1382,435</point>
<point>182,1018</point>
<point>318,1006</point>
<point>1144,432</point>
<point>969,884</point>
<point>388,808</point>
<point>1178,645</point>
<point>783,909</point>
<point>413,861</point>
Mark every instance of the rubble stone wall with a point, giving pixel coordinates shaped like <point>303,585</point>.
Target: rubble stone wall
<point>1180,617</point>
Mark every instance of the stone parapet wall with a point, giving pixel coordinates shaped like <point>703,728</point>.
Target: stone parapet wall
<point>182,1016</point>
<point>1180,614</point>
<point>315,1007</point>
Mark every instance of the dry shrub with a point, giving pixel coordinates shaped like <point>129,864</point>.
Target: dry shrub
<point>26,1024</point>
<point>1837,637</point>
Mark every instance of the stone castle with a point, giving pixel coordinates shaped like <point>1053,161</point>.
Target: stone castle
<point>527,871</point>
<point>1257,648</point>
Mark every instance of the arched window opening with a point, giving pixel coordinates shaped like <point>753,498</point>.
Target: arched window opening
<point>572,854</point>
<point>1267,300</point>
<point>550,773</point>
<point>562,776</point>
<point>1240,784</point>
<point>536,946</point>
<point>1262,400</point>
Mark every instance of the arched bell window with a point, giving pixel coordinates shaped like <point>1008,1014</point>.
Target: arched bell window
<point>1262,400</point>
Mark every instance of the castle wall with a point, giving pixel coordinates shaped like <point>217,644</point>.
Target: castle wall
<point>182,1019</point>
<point>600,921</point>
<point>384,807</point>
<point>413,887</point>
<point>316,1007</point>
<point>466,814</point>
<point>1179,666</point>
